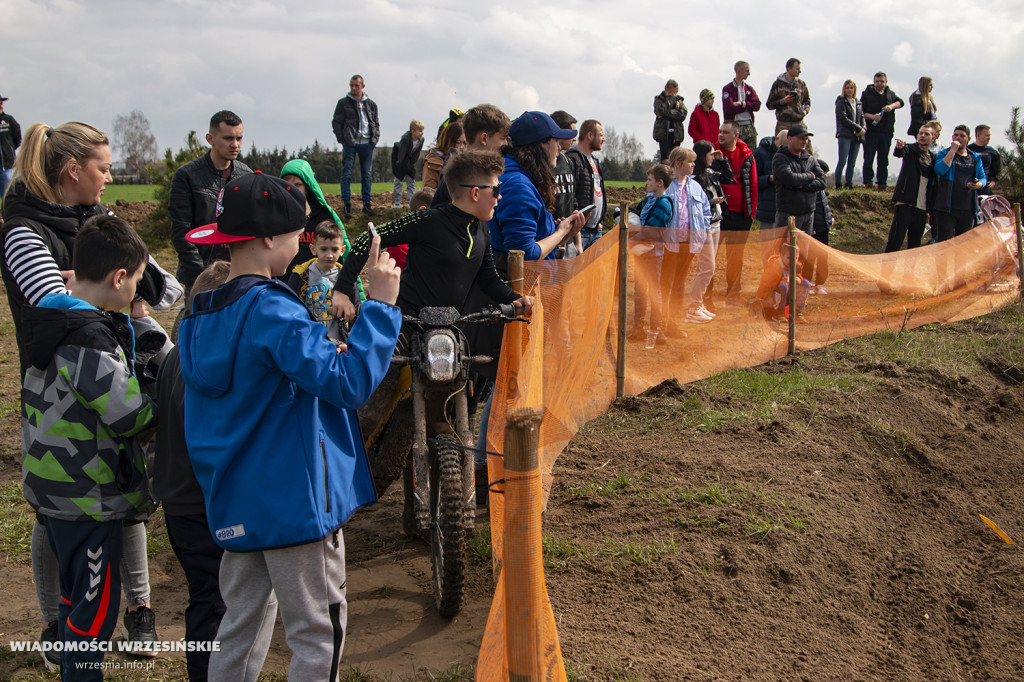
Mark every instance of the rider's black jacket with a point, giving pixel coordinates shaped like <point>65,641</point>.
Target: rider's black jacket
<point>449,249</point>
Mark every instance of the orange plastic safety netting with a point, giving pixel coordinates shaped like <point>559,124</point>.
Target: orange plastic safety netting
<point>567,367</point>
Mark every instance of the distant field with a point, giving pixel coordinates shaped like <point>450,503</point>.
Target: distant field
<point>147,192</point>
<point>129,193</point>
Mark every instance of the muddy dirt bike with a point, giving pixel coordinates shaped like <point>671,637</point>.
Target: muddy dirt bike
<point>425,435</point>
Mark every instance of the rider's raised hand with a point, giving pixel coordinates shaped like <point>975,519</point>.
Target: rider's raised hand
<point>524,304</point>
<point>342,307</point>
<point>383,274</point>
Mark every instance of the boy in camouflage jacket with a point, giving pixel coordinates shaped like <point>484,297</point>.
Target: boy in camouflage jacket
<point>83,412</point>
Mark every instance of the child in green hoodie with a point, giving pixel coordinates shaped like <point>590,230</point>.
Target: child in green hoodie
<point>300,173</point>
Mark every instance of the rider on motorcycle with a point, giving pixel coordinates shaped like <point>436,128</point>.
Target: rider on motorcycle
<point>449,247</point>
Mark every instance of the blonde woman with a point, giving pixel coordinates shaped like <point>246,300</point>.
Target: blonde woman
<point>922,106</point>
<point>849,131</point>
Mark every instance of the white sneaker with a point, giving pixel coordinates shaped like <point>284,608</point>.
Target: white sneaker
<point>708,312</point>
<point>820,289</point>
<point>696,316</point>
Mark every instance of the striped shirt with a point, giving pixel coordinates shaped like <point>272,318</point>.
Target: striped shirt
<point>32,264</point>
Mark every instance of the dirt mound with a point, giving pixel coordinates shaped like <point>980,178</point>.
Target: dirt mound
<point>836,536</point>
<point>862,220</point>
<point>133,212</point>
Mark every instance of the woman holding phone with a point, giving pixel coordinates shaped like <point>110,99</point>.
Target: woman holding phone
<point>522,219</point>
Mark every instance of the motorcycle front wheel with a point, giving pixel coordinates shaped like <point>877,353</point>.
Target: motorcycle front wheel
<point>447,528</point>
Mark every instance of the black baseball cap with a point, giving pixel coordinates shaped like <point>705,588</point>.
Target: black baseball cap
<point>3,99</point>
<point>798,130</point>
<point>253,206</point>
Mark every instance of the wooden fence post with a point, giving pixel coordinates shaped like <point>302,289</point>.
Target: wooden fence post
<point>620,361</point>
<point>523,571</point>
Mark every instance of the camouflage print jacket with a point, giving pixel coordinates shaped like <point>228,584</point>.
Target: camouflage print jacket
<point>81,411</point>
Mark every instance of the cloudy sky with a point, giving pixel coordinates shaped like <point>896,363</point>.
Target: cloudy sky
<point>282,66</point>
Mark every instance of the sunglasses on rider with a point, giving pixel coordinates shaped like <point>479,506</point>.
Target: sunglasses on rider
<point>494,188</point>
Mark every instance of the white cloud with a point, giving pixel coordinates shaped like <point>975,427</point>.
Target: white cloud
<point>903,54</point>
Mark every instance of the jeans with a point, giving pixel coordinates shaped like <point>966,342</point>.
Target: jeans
<point>5,180</point>
<point>348,160</point>
<point>876,143</point>
<point>849,148</point>
<point>589,235</point>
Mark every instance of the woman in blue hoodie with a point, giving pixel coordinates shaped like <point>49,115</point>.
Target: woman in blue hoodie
<point>523,218</point>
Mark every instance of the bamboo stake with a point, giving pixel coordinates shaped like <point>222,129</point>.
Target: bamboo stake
<point>792,285</point>
<point>620,361</point>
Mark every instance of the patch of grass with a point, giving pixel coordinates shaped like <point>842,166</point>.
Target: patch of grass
<point>702,522</point>
<point>641,554</point>
<point>456,672</point>
<point>479,545</point>
<point>617,484</point>
<point>156,534</point>
<point>16,521</point>
<point>558,552</point>
<point>707,568</point>
<point>892,439</point>
<point>712,494</point>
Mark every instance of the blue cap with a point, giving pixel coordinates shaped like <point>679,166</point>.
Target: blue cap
<point>536,126</point>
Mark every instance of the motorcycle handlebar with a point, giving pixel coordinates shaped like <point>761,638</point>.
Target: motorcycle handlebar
<point>493,313</point>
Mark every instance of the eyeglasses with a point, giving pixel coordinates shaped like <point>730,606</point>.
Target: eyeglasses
<point>496,189</point>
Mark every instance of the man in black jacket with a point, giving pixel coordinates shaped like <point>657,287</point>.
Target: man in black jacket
<point>589,179</point>
<point>879,102</point>
<point>914,188</point>
<point>10,139</point>
<point>357,128</point>
<point>798,178</point>
<point>195,189</point>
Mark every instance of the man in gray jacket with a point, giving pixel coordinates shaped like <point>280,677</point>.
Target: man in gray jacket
<point>357,128</point>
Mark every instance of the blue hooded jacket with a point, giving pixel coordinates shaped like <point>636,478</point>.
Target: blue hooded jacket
<point>520,219</point>
<point>270,418</point>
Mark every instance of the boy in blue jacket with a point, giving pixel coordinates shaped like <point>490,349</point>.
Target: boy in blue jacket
<point>271,430</point>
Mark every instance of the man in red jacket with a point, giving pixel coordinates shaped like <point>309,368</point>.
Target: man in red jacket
<point>741,203</point>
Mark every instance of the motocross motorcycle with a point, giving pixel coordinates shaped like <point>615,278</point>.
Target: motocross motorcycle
<point>424,433</point>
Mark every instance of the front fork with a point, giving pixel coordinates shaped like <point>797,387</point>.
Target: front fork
<point>420,455</point>
<point>422,460</point>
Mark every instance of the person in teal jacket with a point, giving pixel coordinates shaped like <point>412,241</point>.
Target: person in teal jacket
<point>959,174</point>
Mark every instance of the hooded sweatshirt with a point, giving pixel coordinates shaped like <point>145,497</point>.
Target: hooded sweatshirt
<point>82,410</point>
<point>270,418</point>
<point>319,210</point>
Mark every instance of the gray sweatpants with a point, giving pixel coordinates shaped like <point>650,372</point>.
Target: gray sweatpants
<point>308,583</point>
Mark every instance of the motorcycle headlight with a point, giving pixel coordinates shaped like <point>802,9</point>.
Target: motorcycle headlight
<point>441,356</point>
